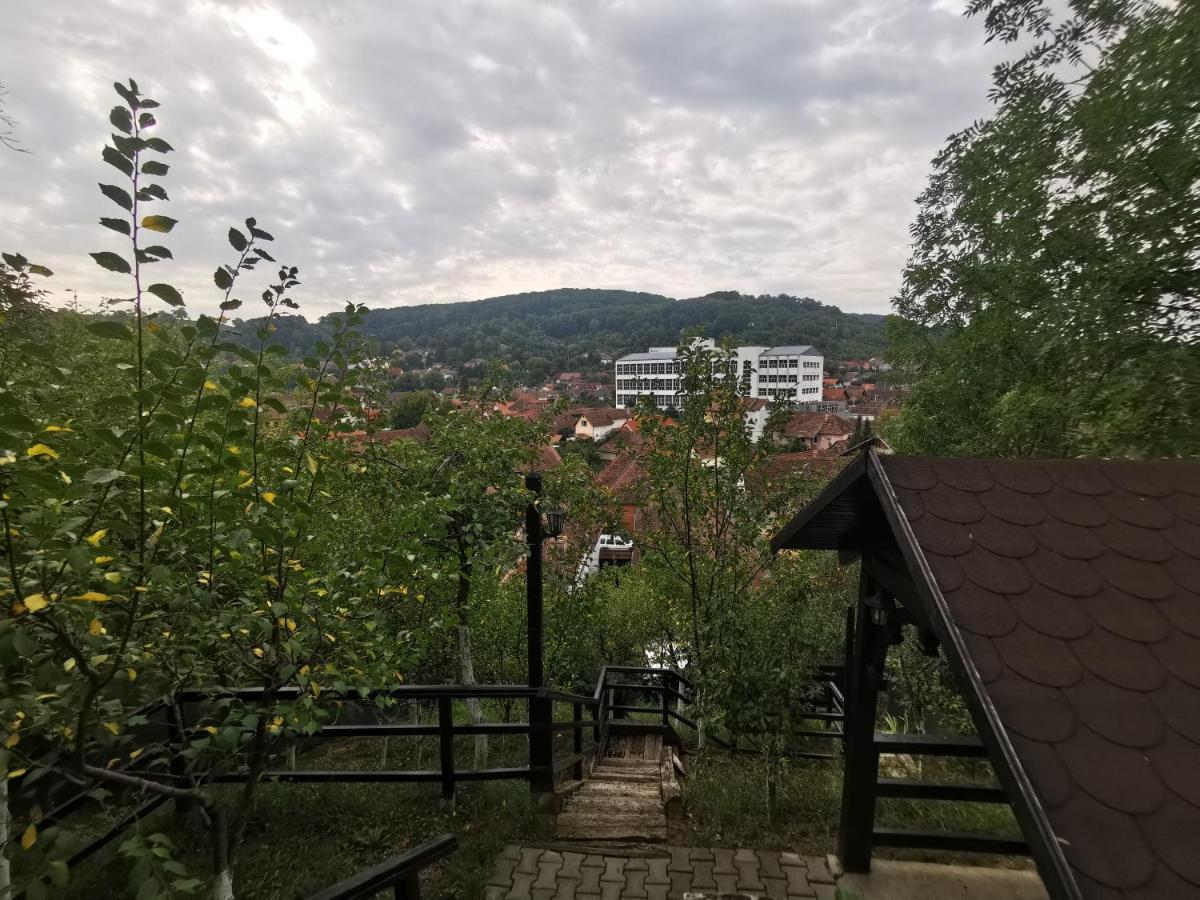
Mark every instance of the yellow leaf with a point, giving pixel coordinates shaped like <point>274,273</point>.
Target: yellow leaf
<point>234,449</point>
<point>17,773</point>
<point>311,463</point>
<point>54,428</point>
<point>101,560</point>
<point>65,477</point>
<point>112,577</point>
<point>131,674</point>
<point>96,537</point>
<point>69,664</point>
<point>34,602</point>
<point>42,450</point>
<point>95,627</point>
<point>246,483</point>
<point>304,670</point>
<point>269,497</point>
<point>258,651</point>
<point>136,753</point>
<point>247,403</point>
<point>316,689</point>
<point>291,624</point>
<point>91,597</point>
<point>13,740</point>
<point>211,729</point>
<point>113,727</point>
<point>209,386</point>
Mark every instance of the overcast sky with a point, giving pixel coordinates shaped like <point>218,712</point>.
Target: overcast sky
<point>412,152</point>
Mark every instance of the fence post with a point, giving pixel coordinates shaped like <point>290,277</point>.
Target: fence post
<point>446,747</point>
<point>541,745</point>
<point>861,773</point>
<point>409,888</point>
<point>577,745</point>
<point>666,686</point>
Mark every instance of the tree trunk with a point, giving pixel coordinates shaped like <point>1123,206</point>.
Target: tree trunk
<point>464,651</point>
<point>222,888</point>
<point>5,865</point>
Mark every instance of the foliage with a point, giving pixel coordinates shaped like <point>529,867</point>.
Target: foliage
<point>1052,301</point>
<point>544,332</point>
<point>159,537</point>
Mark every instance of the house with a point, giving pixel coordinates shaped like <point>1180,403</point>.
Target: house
<point>564,377</point>
<point>597,424</point>
<point>625,440</point>
<point>814,430</point>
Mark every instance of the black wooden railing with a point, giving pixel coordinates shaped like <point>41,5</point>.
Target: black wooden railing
<point>965,747</point>
<point>401,873</point>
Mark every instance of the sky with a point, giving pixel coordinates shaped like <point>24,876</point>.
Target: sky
<point>434,150</point>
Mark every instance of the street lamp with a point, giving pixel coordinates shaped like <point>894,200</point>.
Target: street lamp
<point>556,523</point>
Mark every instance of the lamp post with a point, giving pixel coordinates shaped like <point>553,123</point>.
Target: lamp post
<point>541,750</point>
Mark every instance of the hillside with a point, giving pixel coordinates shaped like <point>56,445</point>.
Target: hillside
<point>560,326</point>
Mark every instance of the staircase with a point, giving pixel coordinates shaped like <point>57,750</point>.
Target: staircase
<point>622,800</point>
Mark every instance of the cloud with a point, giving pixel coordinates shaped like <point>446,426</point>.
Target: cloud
<point>454,149</point>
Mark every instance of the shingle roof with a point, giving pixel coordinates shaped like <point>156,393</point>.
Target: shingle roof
<point>1075,588</point>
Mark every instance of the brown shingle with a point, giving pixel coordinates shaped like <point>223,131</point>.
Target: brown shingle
<point>1075,586</point>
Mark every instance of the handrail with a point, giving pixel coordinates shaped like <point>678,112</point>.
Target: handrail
<point>400,873</point>
<point>454,691</point>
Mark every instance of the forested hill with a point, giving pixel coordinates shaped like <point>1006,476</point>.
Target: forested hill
<point>561,325</point>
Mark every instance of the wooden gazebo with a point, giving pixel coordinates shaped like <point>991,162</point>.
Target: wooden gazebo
<point>1065,595</point>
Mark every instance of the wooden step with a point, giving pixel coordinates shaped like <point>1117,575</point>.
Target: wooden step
<point>628,762</point>
<point>611,828</point>
<point>600,774</point>
<point>601,789</point>
<point>614,805</point>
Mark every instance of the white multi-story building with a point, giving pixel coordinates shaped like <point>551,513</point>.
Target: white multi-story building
<point>791,374</point>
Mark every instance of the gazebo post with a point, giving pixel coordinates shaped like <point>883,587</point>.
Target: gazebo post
<point>865,672</point>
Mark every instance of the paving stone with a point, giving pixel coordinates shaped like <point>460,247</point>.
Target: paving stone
<point>566,888</point>
<point>826,892</point>
<point>745,855</point>
<point>797,882</point>
<point>510,851</point>
<point>542,893</point>
<point>680,861</point>
<point>680,882</point>
<point>522,886</point>
<point>570,866</point>
<point>612,890</point>
<point>528,864</point>
<point>548,870</point>
<point>702,875</point>
<point>787,858</point>
<point>657,868</point>
<point>635,883</point>
<point>748,876</point>
<point>503,872</point>
<point>769,864</point>
<point>658,891</point>
<point>636,864</point>
<point>589,881</point>
<point>818,870</point>
<point>703,853</point>
<point>495,892</point>
<point>776,888</point>
<point>724,861</point>
<point>614,870</point>
<point>726,882</point>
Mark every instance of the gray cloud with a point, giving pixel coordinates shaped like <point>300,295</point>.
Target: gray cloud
<point>453,149</point>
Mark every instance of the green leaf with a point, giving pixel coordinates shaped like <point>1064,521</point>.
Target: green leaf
<point>40,270</point>
<point>146,120</point>
<point>154,167</point>
<point>121,226</point>
<point>261,235</point>
<point>117,195</point>
<point>79,558</point>
<point>237,240</point>
<point>158,223</point>
<point>121,119</point>
<point>16,260</point>
<point>159,251</point>
<point>117,160</point>
<point>111,328</point>
<point>166,293</point>
<point>159,144</point>
<point>152,192</point>
<point>263,254</point>
<point>102,476</point>
<point>111,261</point>
<point>223,279</point>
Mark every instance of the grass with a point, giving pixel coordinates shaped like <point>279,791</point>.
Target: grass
<point>304,837</point>
<point>725,804</point>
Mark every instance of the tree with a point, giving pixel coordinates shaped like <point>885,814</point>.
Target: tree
<point>161,539</point>
<point>1052,300</point>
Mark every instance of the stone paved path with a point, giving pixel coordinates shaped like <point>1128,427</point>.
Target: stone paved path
<point>679,873</point>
